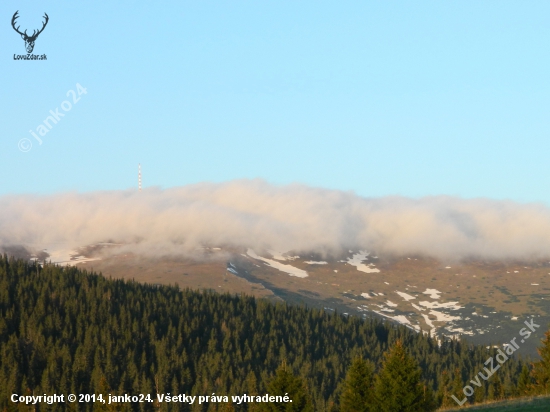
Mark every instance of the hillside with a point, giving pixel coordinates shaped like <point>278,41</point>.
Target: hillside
<point>484,302</point>
<point>65,330</point>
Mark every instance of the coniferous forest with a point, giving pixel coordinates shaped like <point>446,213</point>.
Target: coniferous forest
<point>63,330</point>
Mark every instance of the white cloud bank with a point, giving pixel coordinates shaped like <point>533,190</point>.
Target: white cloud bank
<point>256,214</point>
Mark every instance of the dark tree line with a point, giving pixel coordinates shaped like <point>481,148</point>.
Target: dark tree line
<point>63,330</point>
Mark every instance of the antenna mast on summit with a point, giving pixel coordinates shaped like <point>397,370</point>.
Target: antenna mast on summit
<point>139,177</point>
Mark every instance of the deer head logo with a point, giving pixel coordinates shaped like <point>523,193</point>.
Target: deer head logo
<point>29,40</point>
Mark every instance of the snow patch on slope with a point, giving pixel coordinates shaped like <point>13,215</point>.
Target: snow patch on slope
<point>357,259</point>
<point>438,305</point>
<point>291,270</point>
<point>434,293</point>
<point>65,256</point>
<point>405,296</point>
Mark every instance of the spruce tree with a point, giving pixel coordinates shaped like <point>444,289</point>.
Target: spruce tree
<point>458,386</point>
<point>429,401</point>
<point>480,393</point>
<point>541,369</point>
<point>496,391</point>
<point>285,383</point>
<point>498,388</point>
<point>444,392</point>
<point>491,393</point>
<point>398,386</point>
<point>524,382</point>
<point>510,389</point>
<point>251,388</point>
<point>357,395</point>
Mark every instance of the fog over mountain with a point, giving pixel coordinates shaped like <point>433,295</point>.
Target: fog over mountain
<point>256,214</point>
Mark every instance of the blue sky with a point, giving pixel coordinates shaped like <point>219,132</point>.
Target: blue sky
<point>381,98</point>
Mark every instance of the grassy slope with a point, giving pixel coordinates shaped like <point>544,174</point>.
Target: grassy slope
<point>519,405</point>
